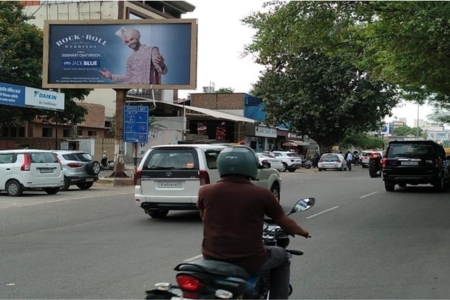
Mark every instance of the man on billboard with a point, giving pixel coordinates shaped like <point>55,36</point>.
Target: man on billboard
<point>144,66</point>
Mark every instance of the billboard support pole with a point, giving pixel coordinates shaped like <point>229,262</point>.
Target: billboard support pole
<point>119,160</point>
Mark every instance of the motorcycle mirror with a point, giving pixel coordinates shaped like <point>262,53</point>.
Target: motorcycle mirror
<point>302,205</point>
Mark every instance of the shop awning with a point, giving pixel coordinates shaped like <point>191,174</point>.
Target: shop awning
<point>295,143</point>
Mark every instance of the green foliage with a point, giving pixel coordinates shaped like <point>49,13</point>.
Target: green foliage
<point>21,52</point>
<point>362,141</point>
<point>323,97</point>
<point>406,43</point>
<point>225,90</point>
<point>406,130</point>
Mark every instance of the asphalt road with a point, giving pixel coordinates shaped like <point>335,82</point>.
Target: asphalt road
<point>97,244</point>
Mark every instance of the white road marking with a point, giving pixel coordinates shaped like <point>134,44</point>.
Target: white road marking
<point>194,258</point>
<point>322,212</point>
<point>368,195</point>
<point>36,202</point>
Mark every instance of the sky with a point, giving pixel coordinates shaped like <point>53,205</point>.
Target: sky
<point>221,41</point>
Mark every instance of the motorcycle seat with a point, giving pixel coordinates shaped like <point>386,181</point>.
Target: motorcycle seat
<point>213,267</point>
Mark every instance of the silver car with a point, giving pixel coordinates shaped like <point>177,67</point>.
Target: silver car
<point>79,168</point>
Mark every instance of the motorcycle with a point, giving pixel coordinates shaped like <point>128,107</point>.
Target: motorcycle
<point>210,279</point>
<point>307,164</point>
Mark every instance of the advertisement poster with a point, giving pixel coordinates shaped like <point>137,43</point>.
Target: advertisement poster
<point>158,54</point>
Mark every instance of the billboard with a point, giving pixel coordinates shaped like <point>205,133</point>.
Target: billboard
<point>16,95</point>
<point>438,135</point>
<point>120,54</point>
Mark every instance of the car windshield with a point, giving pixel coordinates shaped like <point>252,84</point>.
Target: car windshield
<point>421,151</point>
<point>331,158</point>
<point>42,157</point>
<point>175,159</point>
<point>84,157</point>
<point>292,155</point>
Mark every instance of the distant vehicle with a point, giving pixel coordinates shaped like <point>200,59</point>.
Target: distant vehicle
<point>334,161</point>
<point>365,156</point>
<point>79,169</point>
<point>29,169</point>
<point>274,162</point>
<point>290,160</point>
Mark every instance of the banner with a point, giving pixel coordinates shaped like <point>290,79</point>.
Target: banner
<point>16,95</point>
<point>438,135</point>
<point>120,54</point>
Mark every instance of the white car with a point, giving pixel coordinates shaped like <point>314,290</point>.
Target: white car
<point>272,160</point>
<point>28,169</point>
<point>332,161</point>
<point>365,157</point>
<point>291,161</point>
<point>169,177</point>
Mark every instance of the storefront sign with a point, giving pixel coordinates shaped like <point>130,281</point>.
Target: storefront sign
<point>265,132</point>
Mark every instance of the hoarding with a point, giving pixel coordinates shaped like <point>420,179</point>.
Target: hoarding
<point>16,95</point>
<point>438,135</point>
<point>120,54</point>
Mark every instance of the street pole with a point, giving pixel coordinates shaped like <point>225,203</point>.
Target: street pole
<point>417,129</point>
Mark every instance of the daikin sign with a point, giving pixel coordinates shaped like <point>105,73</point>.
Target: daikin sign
<point>16,95</point>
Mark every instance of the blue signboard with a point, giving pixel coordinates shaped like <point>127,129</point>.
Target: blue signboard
<point>135,124</point>
<point>12,94</point>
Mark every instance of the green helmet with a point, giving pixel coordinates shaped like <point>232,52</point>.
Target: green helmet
<point>238,160</point>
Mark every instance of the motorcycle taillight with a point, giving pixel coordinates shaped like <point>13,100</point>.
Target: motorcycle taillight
<point>189,283</point>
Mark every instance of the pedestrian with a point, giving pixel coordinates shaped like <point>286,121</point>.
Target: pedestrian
<point>349,159</point>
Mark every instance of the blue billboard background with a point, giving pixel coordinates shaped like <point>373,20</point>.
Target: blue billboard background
<point>78,52</point>
<point>12,94</point>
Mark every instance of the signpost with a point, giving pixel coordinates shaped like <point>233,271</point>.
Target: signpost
<point>135,127</point>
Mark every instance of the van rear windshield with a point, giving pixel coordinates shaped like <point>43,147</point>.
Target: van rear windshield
<point>421,151</point>
<point>171,159</point>
<point>42,157</point>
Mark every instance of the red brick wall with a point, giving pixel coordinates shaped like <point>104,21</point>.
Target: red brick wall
<point>218,101</point>
<point>95,116</point>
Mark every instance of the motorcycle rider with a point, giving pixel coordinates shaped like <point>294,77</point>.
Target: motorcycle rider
<point>233,211</point>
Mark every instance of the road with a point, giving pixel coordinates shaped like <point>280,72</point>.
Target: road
<point>97,244</point>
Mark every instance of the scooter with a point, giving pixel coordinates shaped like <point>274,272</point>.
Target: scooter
<point>307,164</point>
<point>210,279</point>
<point>105,164</point>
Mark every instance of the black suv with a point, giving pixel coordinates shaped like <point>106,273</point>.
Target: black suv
<point>415,162</point>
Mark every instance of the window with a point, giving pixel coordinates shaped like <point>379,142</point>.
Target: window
<point>92,133</point>
<point>66,132</point>
<point>13,131</point>
<point>85,157</point>
<point>42,157</point>
<point>21,132</point>
<point>422,151</point>
<point>47,132</point>
<point>5,131</point>
<point>173,159</point>
<point>211,158</point>
<point>79,132</point>
<point>6,158</point>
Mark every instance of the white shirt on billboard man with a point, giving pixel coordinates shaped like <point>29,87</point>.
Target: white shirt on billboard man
<point>144,66</point>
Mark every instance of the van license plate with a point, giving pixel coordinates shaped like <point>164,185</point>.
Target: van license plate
<point>410,163</point>
<point>89,179</point>
<point>170,184</point>
<point>46,170</point>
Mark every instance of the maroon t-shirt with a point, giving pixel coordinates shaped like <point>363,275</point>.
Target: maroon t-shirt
<point>233,217</point>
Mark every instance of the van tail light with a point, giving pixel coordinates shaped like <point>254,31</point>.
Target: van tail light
<point>204,177</point>
<point>58,160</point>
<point>26,166</point>
<point>384,163</point>
<point>436,163</point>
<point>189,285</point>
<point>137,178</point>
<point>74,165</point>
<point>338,160</point>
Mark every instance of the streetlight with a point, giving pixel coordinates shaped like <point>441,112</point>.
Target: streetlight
<point>417,129</point>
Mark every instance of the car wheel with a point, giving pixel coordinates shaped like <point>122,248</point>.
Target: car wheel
<point>85,185</point>
<point>292,170</point>
<point>13,188</point>
<point>284,168</point>
<point>275,189</point>
<point>389,186</point>
<point>66,184</point>
<point>158,214</point>
<point>52,191</point>
<point>440,184</point>
<point>320,170</point>
<point>93,168</point>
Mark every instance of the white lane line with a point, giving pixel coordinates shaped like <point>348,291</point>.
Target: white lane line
<point>322,212</point>
<point>193,258</point>
<point>368,195</point>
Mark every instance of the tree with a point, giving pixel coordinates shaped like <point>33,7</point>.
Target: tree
<point>323,97</point>
<point>363,141</point>
<point>225,90</point>
<point>404,43</point>
<point>406,130</point>
<point>21,52</point>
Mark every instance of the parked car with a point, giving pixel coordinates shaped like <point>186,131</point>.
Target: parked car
<point>274,162</point>
<point>291,161</point>
<point>334,161</point>
<point>28,169</point>
<point>169,177</point>
<point>79,168</point>
<point>415,162</point>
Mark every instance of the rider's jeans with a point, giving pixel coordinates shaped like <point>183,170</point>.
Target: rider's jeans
<point>279,265</point>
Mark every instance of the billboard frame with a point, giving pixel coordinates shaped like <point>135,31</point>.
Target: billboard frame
<point>193,57</point>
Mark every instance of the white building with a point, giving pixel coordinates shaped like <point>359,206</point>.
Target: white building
<point>424,125</point>
<point>109,10</point>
